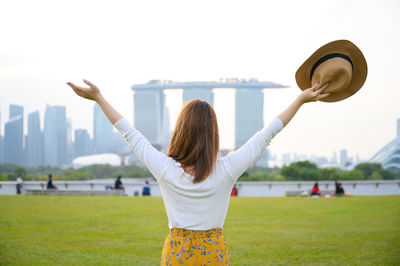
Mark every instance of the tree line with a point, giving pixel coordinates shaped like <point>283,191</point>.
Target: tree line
<point>306,170</point>
<point>96,171</point>
<point>297,171</point>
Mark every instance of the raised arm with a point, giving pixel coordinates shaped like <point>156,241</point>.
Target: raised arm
<point>309,95</point>
<point>237,162</point>
<point>93,93</point>
<point>154,160</point>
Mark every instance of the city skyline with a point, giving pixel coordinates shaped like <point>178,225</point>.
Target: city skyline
<point>159,135</point>
<point>55,132</point>
<point>264,39</point>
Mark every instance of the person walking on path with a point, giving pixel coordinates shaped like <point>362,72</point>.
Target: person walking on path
<point>195,186</point>
<point>19,184</point>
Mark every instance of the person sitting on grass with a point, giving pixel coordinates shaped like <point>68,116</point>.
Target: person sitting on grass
<point>50,182</point>
<point>234,192</point>
<point>146,189</point>
<point>315,190</point>
<point>195,186</point>
<point>118,184</point>
<point>339,191</point>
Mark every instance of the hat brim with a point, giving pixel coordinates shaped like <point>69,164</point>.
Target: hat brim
<point>346,47</point>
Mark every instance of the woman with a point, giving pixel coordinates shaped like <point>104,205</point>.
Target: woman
<point>315,190</point>
<point>195,185</point>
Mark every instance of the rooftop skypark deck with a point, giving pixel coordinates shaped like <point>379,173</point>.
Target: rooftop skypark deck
<point>223,83</point>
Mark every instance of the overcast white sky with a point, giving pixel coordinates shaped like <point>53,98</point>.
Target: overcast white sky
<point>119,43</point>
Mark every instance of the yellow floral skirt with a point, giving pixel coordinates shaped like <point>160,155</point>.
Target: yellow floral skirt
<point>195,247</point>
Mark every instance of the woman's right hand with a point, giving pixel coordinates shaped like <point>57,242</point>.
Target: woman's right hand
<point>308,95</point>
<point>91,93</point>
<point>314,93</point>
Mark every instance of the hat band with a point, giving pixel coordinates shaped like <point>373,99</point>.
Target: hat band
<point>327,57</point>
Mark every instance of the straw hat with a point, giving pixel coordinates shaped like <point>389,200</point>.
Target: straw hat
<point>341,64</point>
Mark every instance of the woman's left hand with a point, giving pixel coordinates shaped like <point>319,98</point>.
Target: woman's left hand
<point>91,93</point>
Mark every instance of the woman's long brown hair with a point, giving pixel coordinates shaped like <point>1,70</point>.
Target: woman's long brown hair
<point>195,140</point>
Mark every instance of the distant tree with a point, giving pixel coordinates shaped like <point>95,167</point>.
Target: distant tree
<point>354,174</point>
<point>303,170</point>
<point>78,174</point>
<point>245,174</point>
<point>7,168</point>
<point>388,175</point>
<point>375,176</point>
<point>100,170</point>
<point>306,165</point>
<point>368,168</point>
<point>20,171</point>
<point>331,173</point>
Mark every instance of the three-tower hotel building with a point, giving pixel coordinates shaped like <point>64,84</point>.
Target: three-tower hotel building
<point>152,119</point>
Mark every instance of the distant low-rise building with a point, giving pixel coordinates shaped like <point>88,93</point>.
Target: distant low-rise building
<point>104,158</point>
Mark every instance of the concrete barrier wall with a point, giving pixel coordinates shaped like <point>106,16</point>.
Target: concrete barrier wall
<point>278,189</point>
<point>246,189</point>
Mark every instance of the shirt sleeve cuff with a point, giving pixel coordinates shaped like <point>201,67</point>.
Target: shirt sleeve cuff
<point>123,126</point>
<point>278,123</point>
<point>273,128</point>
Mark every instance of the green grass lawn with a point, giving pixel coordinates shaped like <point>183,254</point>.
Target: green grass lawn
<point>58,230</point>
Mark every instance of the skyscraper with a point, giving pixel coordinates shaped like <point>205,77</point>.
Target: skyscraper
<point>1,143</point>
<point>62,137</point>
<point>166,132</point>
<point>50,137</point>
<point>34,141</point>
<point>16,110</point>
<point>70,145</point>
<point>249,104</point>
<point>334,159</point>
<point>13,136</point>
<point>1,149</point>
<point>286,158</point>
<point>103,131</point>
<point>148,114</point>
<point>82,143</point>
<point>344,160</point>
<point>55,136</point>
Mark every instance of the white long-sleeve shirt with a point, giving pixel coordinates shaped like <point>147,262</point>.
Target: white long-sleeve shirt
<point>197,206</point>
